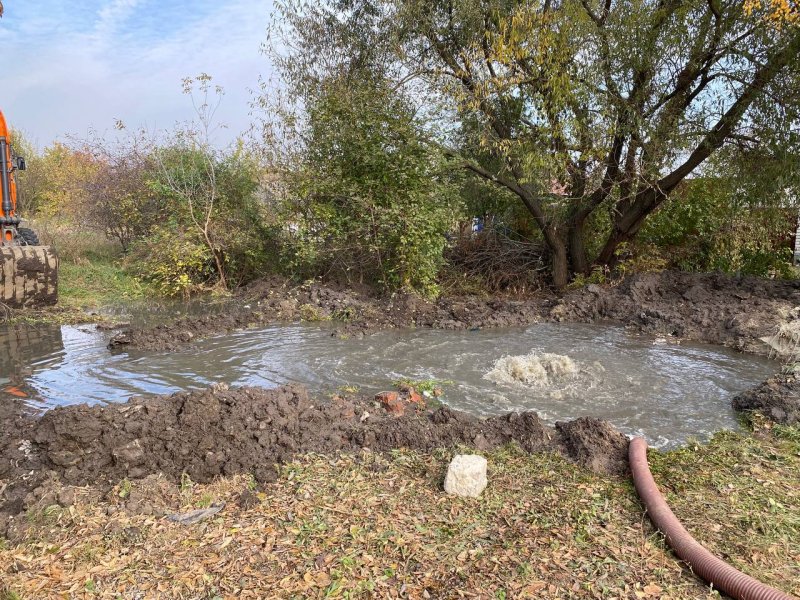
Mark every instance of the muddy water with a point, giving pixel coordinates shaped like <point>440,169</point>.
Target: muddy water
<point>668,392</point>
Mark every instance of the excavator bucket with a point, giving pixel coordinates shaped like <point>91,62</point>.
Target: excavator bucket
<point>28,276</point>
<point>28,271</point>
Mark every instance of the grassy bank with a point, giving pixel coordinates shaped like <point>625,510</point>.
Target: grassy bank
<point>83,289</point>
<point>92,276</point>
<point>375,526</point>
<point>97,282</point>
<point>92,273</point>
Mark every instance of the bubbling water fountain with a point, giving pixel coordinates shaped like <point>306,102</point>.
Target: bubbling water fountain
<point>535,369</point>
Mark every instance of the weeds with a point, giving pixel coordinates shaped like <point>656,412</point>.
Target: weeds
<point>7,593</point>
<point>424,386</point>
<point>312,314</point>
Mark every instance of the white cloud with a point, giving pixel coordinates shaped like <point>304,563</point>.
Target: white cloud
<point>74,71</point>
<point>112,16</point>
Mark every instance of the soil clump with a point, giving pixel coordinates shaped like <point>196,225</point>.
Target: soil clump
<point>707,307</point>
<point>222,432</point>
<point>777,399</point>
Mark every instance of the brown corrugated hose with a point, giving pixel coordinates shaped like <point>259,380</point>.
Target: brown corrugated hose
<point>714,570</point>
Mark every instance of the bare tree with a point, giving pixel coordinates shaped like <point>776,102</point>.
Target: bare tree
<point>189,166</point>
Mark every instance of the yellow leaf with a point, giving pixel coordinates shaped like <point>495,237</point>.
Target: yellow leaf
<point>652,589</point>
<point>322,579</point>
<point>534,587</point>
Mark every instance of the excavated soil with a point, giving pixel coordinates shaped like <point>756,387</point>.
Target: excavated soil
<point>221,431</point>
<point>778,399</point>
<point>712,308</point>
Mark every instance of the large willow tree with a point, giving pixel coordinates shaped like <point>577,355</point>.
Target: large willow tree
<point>573,106</point>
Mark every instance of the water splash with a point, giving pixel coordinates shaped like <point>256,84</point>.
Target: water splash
<point>534,369</point>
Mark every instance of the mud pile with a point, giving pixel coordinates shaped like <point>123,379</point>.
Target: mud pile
<point>714,308</point>
<point>778,399</point>
<point>355,312</point>
<point>222,431</point>
<point>719,309</point>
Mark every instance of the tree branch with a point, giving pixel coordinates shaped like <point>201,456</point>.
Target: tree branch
<point>725,125</point>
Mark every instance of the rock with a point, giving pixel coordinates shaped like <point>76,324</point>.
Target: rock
<point>466,476</point>
<point>131,454</point>
<point>66,497</point>
<point>64,458</point>
<point>392,403</point>
<point>415,398</point>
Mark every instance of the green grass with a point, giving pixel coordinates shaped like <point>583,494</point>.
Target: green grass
<point>740,496</point>
<point>97,282</point>
<point>9,594</point>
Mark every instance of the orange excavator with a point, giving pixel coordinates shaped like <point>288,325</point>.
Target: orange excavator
<point>28,270</point>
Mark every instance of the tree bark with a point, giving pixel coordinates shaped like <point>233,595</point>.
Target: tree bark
<point>577,247</point>
<point>560,266</point>
<point>627,224</point>
<point>607,256</point>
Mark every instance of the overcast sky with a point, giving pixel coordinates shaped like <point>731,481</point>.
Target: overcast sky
<point>72,66</point>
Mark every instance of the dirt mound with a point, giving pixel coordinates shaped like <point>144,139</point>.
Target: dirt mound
<point>356,313</point>
<point>221,431</point>
<point>778,399</point>
<point>595,444</point>
<point>18,457</point>
<point>713,308</point>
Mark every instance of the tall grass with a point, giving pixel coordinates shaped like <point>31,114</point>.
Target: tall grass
<point>92,270</point>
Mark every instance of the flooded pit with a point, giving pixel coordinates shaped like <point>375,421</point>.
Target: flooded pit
<point>668,392</point>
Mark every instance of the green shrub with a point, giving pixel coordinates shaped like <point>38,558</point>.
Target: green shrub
<point>216,234</point>
<point>712,224</point>
<point>173,261</point>
<point>370,200</point>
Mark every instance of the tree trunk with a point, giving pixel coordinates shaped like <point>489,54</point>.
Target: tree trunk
<point>560,266</point>
<point>577,248</point>
<point>218,261</point>
<point>627,224</point>
<point>607,256</point>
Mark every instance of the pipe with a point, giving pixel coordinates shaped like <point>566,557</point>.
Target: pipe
<point>714,570</point>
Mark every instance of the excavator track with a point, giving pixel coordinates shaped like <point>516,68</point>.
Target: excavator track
<point>28,277</point>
